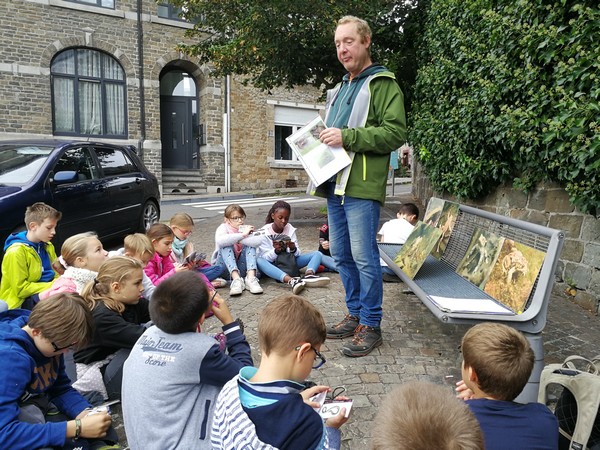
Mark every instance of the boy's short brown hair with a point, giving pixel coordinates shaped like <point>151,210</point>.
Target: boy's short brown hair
<point>178,302</point>
<point>38,212</point>
<point>289,321</point>
<point>63,319</point>
<point>500,356</point>
<point>138,244</point>
<point>424,416</point>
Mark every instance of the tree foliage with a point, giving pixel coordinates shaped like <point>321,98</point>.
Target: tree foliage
<point>508,91</point>
<point>285,43</point>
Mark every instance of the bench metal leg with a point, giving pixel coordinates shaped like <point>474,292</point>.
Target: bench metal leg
<point>530,391</point>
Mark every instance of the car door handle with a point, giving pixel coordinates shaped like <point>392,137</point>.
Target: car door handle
<point>100,188</point>
<point>138,180</point>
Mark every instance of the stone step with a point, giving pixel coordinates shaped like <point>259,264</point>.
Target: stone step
<point>183,182</point>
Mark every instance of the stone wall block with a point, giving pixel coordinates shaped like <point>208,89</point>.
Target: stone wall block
<point>572,250</point>
<point>558,201</point>
<point>509,198</point>
<point>591,255</point>
<point>570,224</point>
<point>578,275</point>
<point>590,230</point>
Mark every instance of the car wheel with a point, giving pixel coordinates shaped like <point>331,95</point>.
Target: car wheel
<point>150,215</point>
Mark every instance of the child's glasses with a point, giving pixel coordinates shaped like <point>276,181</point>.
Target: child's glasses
<point>318,354</point>
<point>58,349</point>
<point>184,232</point>
<point>237,218</point>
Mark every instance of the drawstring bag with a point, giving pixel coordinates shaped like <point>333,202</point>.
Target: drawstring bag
<point>287,262</point>
<point>577,408</point>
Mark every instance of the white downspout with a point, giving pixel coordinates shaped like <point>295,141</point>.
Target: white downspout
<point>227,133</point>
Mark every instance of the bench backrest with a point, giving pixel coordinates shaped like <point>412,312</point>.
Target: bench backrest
<point>547,240</point>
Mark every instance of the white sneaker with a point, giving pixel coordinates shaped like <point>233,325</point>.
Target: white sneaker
<point>313,280</point>
<point>237,287</point>
<point>253,286</point>
<point>297,285</point>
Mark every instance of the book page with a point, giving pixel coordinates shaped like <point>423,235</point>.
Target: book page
<point>320,161</point>
<point>470,305</point>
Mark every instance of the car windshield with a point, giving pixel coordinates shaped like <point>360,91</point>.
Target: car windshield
<point>20,163</point>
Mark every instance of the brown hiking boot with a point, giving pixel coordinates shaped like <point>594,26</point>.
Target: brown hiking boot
<point>343,329</point>
<point>364,341</point>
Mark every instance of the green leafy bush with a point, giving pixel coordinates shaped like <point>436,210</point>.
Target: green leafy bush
<point>508,92</point>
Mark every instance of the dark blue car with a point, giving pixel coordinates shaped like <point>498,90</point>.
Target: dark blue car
<point>98,187</point>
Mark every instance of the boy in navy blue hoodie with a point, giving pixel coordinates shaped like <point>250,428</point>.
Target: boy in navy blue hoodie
<point>33,379</point>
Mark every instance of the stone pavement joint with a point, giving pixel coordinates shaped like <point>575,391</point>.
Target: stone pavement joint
<point>416,346</point>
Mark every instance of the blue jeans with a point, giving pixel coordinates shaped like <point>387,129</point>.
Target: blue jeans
<point>329,263</point>
<point>311,260</point>
<point>247,260</point>
<point>353,224</point>
<point>211,272</point>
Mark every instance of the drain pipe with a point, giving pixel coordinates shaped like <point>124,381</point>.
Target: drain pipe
<point>140,42</point>
<point>227,133</point>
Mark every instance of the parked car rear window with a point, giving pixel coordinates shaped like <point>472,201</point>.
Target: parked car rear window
<point>114,162</point>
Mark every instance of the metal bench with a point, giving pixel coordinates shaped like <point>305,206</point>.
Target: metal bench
<point>439,278</point>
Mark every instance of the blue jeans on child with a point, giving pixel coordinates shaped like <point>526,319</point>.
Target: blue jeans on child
<point>227,263</point>
<point>311,260</point>
<point>211,272</point>
<point>353,224</point>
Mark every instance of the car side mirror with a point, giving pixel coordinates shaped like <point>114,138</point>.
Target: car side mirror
<point>65,176</point>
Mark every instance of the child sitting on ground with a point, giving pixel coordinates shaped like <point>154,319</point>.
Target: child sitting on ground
<point>38,406</point>
<point>182,225</point>
<point>173,375</point>
<point>267,407</point>
<point>277,223</point>
<point>160,267</point>
<point>497,362</point>
<point>235,251</point>
<point>327,262</point>
<point>138,246</point>
<point>396,231</point>
<point>120,318</point>
<point>81,257</point>
<point>28,257</point>
<point>424,416</point>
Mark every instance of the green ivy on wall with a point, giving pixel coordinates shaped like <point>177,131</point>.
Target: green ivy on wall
<point>508,92</point>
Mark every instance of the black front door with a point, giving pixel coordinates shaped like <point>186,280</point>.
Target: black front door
<point>178,145</point>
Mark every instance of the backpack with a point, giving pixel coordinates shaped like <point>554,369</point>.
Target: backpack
<point>581,377</point>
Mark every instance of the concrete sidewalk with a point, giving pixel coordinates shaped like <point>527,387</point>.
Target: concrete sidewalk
<point>416,345</point>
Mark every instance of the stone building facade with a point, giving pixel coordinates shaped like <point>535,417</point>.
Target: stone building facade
<point>578,271</point>
<point>192,130</point>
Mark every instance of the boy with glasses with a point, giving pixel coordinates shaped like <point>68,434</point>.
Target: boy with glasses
<point>268,407</point>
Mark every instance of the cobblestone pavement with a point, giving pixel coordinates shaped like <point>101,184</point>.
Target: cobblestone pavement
<point>416,346</point>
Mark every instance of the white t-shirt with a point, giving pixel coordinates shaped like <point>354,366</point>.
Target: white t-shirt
<point>395,231</point>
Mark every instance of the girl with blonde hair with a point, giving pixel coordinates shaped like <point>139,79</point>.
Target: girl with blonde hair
<point>120,317</point>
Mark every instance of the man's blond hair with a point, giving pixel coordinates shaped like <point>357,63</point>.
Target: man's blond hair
<point>362,27</point>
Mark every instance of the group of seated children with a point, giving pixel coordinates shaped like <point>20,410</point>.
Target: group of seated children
<point>181,389</point>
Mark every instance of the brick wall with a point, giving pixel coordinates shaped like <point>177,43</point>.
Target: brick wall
<point>32,32</point>
<point>578,271</point>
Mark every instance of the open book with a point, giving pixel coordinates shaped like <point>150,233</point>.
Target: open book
<point>320,161</point>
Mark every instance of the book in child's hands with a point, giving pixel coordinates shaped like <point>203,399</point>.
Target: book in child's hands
<point>320,161</point>
<point>194,259</point>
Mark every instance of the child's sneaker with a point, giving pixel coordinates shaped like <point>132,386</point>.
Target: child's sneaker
<point>219,283</point>
<point>253,286</point>
<point>312,280</point>
<point>297,285</point>
<point>237,287</point>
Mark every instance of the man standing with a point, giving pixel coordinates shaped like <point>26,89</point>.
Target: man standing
<point>365,115</point>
